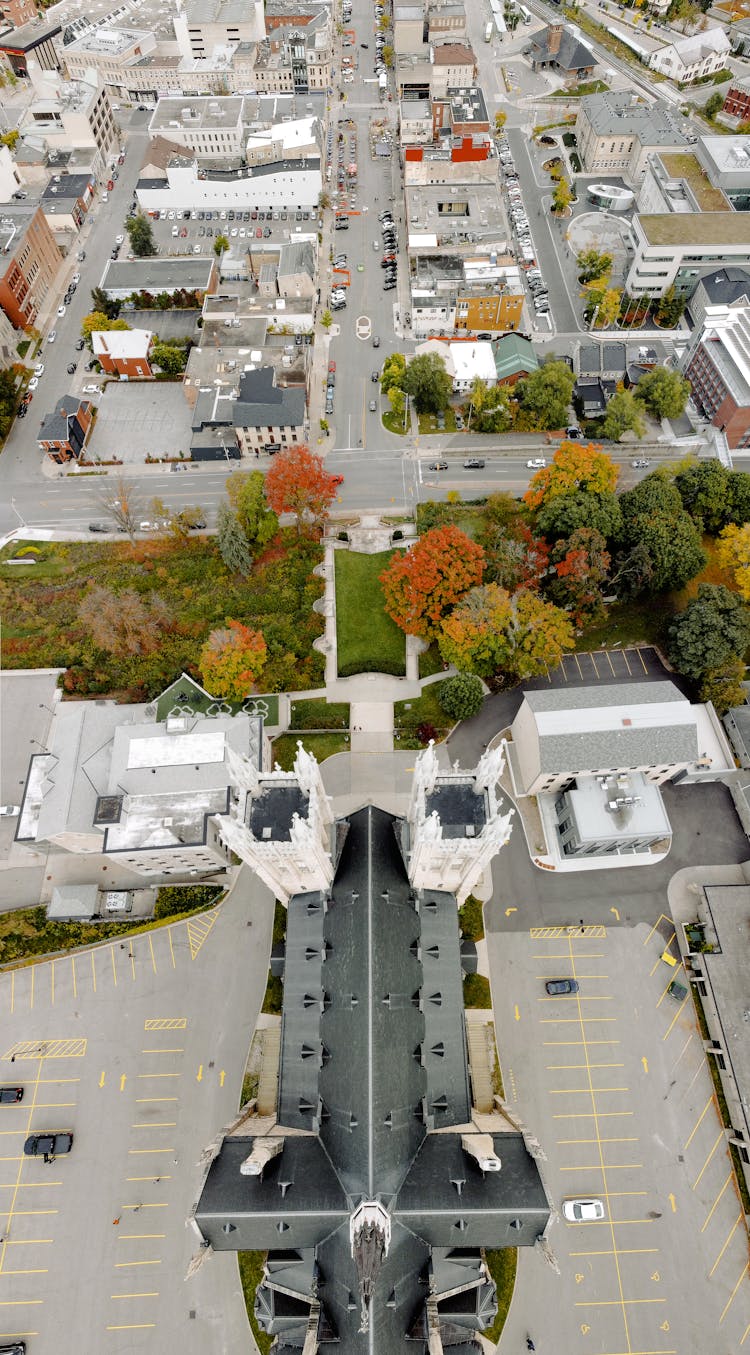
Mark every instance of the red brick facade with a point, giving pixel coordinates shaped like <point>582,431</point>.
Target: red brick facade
<point>737,103</point>
<point>28,270</point>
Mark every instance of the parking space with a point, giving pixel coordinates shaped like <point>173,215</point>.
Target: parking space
<point>158,424</point>
<point>615,1073</point>
<point>637,663</point>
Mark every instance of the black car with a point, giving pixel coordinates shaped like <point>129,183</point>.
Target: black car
<point>71,368</point>
<point>21,412</point>
<point>99,527</point>
<point>438,465</point>
<point>80,345</point>
<point>10,1095</point>
<point>474,463</point>
<point>49,1144</point>
<point>389,285</point>
<point>375,376</point>
<point>557,987</point>
<point>17,1348</point>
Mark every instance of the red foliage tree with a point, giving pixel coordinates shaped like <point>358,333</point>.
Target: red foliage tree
<point>298,483</point>
<point>422,584</point>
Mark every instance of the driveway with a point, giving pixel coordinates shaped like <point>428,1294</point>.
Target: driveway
<point>138,419</point>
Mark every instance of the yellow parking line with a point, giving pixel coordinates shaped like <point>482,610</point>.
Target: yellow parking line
<point>576,1067</point>
<point>12,991</point>
<point>139,1207</point>
<point>171,947</point>
<point>73,968</point>
<point>147,1178</point>
<point>175,1050</point>
<point>698,1122</point>
<point>587,1091</point>
<point>26,1213</point>
<point>607,1166</point>
<point>54,1105</point>
<point>732,1231</point>
<point>592,1114</point>
<point>21,1303</point>
<point>131,1326</point>
<point>93,970</point>
<point>640,656</point>
<point>633,1139</point>
<point>26,1241</point>
<point>587,1044</point>
<point>146,1294</point>
<point>37,1271</point>
<point>139,1152</point>
<point>615,1303</point>
<point>138,1237</point>
<point>744,1337</point>
<point>28,1185</point>
<point>114,967</point>
<point>596,670</point>
<point>152,1075</point>
<point>151,948</point>
<point>718,1140</point>
<point>627,665</point>
<point>143,1100</point>
<point>730,1300</point>
<point>606,651</point>
<point>158,1124</point>
<point>124,1265</point>
<point>52,983</point>
<point>621,1251</point>
<point>716,1201</point>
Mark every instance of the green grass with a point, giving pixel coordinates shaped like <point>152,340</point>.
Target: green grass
<point>588,87</point>
<point>395,425</point>
<point>273,996</point>
<point>41,602</point>
<point>322,745</point>
<point>502,1268</point>
<point>477,991</point>
<point>428,422</point>
<point>251,1265</point>
<point>469,517</point>
<point>626,623</point>
<point>430,661</point>
<point>317,713</point>
<point>199,701</point>
<point>27,934</point>
<point>368,641</point>
<point>425,709</point>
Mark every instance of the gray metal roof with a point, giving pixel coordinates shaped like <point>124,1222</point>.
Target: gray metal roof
<point>624,741</point>
<point>612,114</point>
<point>616,694</point>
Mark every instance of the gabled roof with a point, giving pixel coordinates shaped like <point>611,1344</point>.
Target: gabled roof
<point>639,724</point>
<point>56,426</point>
<point>514,354</point>
<point>571,55</point>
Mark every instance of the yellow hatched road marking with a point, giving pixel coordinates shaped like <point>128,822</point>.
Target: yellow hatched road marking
<point>47,1049</point>
<point>198,929</point>
<point>166,1023</point>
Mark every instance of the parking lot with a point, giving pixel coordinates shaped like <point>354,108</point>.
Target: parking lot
<point>158,424</point>
<point>613,1079</point>
<point>639,663</point>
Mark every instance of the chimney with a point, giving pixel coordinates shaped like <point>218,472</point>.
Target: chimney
<point>554,38</point>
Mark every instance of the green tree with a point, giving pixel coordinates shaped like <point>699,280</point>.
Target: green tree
<point>704,490</point>
<point>495,414</point>
<point>712,105</point>
<point>714,628</point>
<point>668,542</point>
<point>98,321</point>
<point>247,495</point>
<point>141,235</point>
<point>232,542</point>
<point>326,319</point>
<point>500,120</point>
<point>388,55</point>
<point>428,383</point>
<point>738,498</point>
<point>171,358</point>
<point>663,392</point>
<point>723,685</point>
<point>593,264</point>
<point>669,308</point>
<point>564,514</point>
<point>608,307</point>
<point>562,196</point>
<point>8,399</point>
<point>397,401</point>
<point>220,244</point>
<point>393,373</point>
<point>462,696</point>
<point>623,416</point>
<point>545,395</point>
<point>105,305</point>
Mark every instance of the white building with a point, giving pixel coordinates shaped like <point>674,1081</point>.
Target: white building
<point>687,59</point>
<point>295,186</point>
<point>676,248</point>
<point>298,139</point>
<point>616,133</point>
<point>210,127</point>
<point>71,115</point>
<point>465,362</point>
<point>205,28</point>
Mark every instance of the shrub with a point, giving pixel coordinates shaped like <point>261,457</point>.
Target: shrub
<point>477,991</point>
<point>426,731</point>
<point>274,995</point>
<point>471,918</point>
<point>462,696</point>
<point>173,899</point>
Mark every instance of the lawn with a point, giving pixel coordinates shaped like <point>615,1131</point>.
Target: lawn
<point>468,517</point>
<point>626,623</point>
<point>251,1265</point>
<point>40,610</point>
<point>368,641</point>
<point>317,713</point>
<point>502,1268</point>
<point>321,745</point>
<point>409,716</point>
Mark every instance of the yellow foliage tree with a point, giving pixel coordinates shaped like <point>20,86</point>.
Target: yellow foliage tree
<point>733,554</point>
<point>575,466</point>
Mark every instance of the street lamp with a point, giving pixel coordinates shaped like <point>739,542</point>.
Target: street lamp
<point>18,515</point>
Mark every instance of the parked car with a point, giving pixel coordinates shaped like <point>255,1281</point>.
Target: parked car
<point>34,382</point>
<point>52,336</point>
<point>99,527</point>
<point>574,431</point>
<point>80,345</point>
<point>10,1095</point>
<point>71,368</point>
<point>38,368</point>
<point>49,1144</point>
<point>558,987</point>
<point>582,1211</point>
<point>91,390</point>
<point>9,811</point>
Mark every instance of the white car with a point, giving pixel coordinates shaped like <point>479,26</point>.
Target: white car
<point>196,249</point>
<point>163,214</point>
<point>233,232</point>
<point>34,382</point>
<point>119,239</point>
<point>39,369</point>
<point>61,310</point>
<point>9,811</point>
<point>105,197</point>
<point>582,1211</point>
<point>170,216</point>
<point>91,390</point>
<point>76,278</point>
<point>52,336</point>
<point>536,463</point>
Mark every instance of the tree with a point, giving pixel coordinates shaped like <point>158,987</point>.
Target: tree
<point>490,631</point>
<point>106,305</point>
<point>593,264</point>
<point>171,358</point>
<point>141,235</point>
<point>123,504</point>
<point>669,308</point>
<point>247,495</point>
<point>397,401</point>
<point>654,520</point>
<point>713,628</point>
<point>298,483</point>
<point>326,319</point>
<point>562,196</point>
<point>125,622</point>
<point>545,395</point>
<point>388,55</point>
<point>723,685</point>
<point>220,244</point>
<point>514,557</point>
<point>738,499</point>
<point>420,585</point>
<point>495,412</point>
<point>664,393</point>
<point>8,399</point>
<point>733,554</point>
<point>428,383</point>
<point>393,373</point>
<point>704,489</point>
<point>574,468</point>
<point>712,105</point>
<point>10,139</point>
<point>97,320</point>
<point>461,696</point>
<point>582,569</point>
<point>500,120</point>
<point>608,307</point>
<point>563,514</point>
<point>232,542</point>
<point>232,660</point>
<point>623,416</point>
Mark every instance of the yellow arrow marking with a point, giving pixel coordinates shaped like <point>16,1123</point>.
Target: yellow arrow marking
<point>222,1075</point>
<point>508,911</point>
<point>656,1277</point>
<point>199,1074</point>
<point>665,1326</point>
<point>517,1013</point>
<point>579,1278</point>
<point>102,1077</point>
<point>673,1203</point>
<point>123,1080</point>
<point>616,913</point>
<point>644,1061</point>
<point>585,1328</point>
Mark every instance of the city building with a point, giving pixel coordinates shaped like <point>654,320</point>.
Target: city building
<point>210,128</point>
<point>692,58</point>
<point>122,277</point>
<point>123,352</point>
<point>289,185</point>
<point>722,287</point>
<point>69,114</point>
<point>34,41</point>
<point>283,142</point>
<point>63,433</point>
<point>737,99</point>
<point>17,12</point>
<point>123,782</point>
<point>110,52</point>
<point>65,202</point>
<point>514,359</point>
<point>205,28</point>
<point>717,365</point>
<point>454,66</point>
<point>616,133</point>
<point>292,13</point>
<point>726,160</point>
<point>677,182</point>
<point>676,248</point>
<point>30,263</point>
<point>257,415</point>
<point>601,368</point>
<point>465,362</point>
<point>409,30</point>
<point>562,734</point>
<point>138,68</point>
<point>11,180</point>
<point>618,815</point>
<point>559,48</point>
<point>385,1198</point>
<point>295,272</point>
<point>295,59</point>
<point>446,23</point>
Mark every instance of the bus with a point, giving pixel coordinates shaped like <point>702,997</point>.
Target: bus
<point>524,13</point>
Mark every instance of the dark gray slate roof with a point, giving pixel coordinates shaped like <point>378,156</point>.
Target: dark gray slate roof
<point>55,426</point>
<point>725,286</point>
<point>571,56</point>
<point>263,403</point>
<point>620,743</point>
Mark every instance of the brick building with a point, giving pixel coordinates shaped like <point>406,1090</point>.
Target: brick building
<point>717,364</point>
<point>63,432</point>
<point>737,101</point>
<point>29,263</point>
<point>18,12</point>
<point>123,352</point>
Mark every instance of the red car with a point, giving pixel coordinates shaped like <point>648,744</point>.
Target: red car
<point>332,366</point>
<point>259,233</point>
<point>337,479</point>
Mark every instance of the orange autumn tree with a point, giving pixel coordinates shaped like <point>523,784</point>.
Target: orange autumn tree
<point>574,467</point>
<point>232,660</point>
<point>422,584</point>
<point>298,483</point>
<point>491,631</point>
